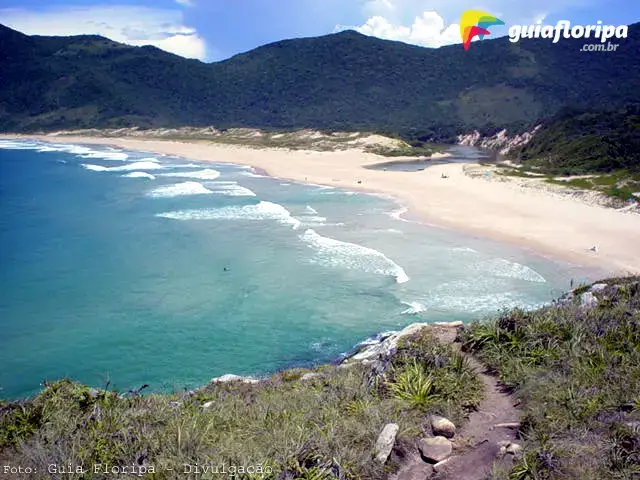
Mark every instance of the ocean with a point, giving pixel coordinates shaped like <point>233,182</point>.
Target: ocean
<point>125,268</point>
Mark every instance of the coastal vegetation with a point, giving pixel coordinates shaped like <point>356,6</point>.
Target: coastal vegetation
<point>575,368</point>
<point>344,81</point>
<point>581,141</point>
<point>584,149</point>
<point>319,424</point>
<point>572,368</point>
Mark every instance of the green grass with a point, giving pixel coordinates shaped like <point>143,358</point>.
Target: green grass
<point>409,151</point>
<point>577,373</point>
<point>620,184</point>
<point>320,428</point>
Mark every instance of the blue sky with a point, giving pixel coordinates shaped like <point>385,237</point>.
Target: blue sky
<point>212,30</point>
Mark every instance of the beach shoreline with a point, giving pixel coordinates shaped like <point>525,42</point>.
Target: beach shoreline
<point>442,195</point>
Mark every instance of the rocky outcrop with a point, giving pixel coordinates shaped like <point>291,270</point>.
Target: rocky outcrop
<point>445,332</point>
<point>234,378</point>
<point>500,142</point>
<point>590,297</point>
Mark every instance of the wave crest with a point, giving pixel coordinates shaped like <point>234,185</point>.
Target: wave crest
<point>139,175</point>
<point>261,211</point>
<point>336,253</point>
<point>179,189</point>
<point>206,174</point>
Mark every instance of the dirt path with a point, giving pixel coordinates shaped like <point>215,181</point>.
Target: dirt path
<point>477,442</point>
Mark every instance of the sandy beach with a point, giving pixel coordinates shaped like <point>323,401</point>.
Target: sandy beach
<point>551,225</point>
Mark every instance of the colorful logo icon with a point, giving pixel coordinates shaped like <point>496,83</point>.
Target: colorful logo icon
<point>474,23</point>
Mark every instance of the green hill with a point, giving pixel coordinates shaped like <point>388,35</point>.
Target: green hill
<point>340,81</point>
<point>576,142</point>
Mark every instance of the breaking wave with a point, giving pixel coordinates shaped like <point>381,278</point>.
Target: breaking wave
<point>336,253</point>
<point>179,189</point>
<point>500,267</point>
<point>140,175</point>
<point>147,165</point>
<point>261,211</point>
<point>414,308</point>
<point>206,174</point>
<point>231,189</point>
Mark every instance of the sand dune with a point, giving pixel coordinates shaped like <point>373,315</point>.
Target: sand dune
<point>553,225</point>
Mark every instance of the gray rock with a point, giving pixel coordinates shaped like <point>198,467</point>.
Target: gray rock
<point>385,442</point>
<point>445,332</point>
<point>514,449</point>
<point>310,375</point>
<point>435,449</point>
<point>442,426</point>
<point>415,471</point>
<point>175,404</point>
<point>598,287</point>
<point>458,324</point>
<point>207,404</point>
<point>588,300</point>
<point>234,378</point>
<point>506,447</point>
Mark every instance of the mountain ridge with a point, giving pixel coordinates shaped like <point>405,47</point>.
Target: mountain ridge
<point>345,81</point>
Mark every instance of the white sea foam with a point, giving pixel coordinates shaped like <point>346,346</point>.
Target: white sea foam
<point>478,303</point>
<point>500,267</point>
<point>261,211</point>
<point>125,168</point>
<point>397,214</point>
<point>251,173</point>
<point>18,145</point>
<point>106,155</point>
<point>464,249</point>
<point>140,175</point>
<point>231,189</point>
<point>307,219</point>
<point>75,149</point>
<point>179,189</point>
<point>336,253</point>
<point>310,209</point>
<point>414,308</point>
<point>206,174</point>
<point>95,168</point>
<point>331,191</point>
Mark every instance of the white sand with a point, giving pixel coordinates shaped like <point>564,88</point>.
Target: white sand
<point>561,227</point>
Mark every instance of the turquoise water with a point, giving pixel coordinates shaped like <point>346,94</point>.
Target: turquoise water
<point>139,268</point>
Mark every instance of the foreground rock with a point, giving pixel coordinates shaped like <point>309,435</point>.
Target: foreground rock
<point>234,378</point>
<point>445,332</point>
<point>415,471</point>
<point>386,440</point>
<point>435,449</point>
<point>442,426</point>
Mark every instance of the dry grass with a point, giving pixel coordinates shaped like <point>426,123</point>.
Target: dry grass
<point>320,428</point>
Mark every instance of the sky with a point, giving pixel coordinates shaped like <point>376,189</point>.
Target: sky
<point>213,30</point>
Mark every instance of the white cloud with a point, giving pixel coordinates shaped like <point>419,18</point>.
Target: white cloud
<point>410,21</point>
<point>185,3</point>
<point>427,30</point>
<point>128,24</point>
